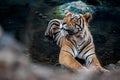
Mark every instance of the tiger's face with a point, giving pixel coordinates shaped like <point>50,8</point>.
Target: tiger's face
<point>75,22</point>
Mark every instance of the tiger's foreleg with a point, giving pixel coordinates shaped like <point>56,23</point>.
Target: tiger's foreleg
<point>93,61</point>
<point>69,61</point>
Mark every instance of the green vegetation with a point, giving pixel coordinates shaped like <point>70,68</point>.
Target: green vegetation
<point>54,13</point>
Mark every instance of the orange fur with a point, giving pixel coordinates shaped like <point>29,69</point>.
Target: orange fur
<point>97,64</point>
<point>69,61</point>
<point>65,57</point>
<point>68,20</point>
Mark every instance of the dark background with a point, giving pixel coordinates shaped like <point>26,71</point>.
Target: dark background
<point>27,20</point>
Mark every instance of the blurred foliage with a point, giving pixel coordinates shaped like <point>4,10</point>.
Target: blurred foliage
<point>55,13</point>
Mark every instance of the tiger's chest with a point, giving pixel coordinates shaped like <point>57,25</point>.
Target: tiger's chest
<point>81,42</point>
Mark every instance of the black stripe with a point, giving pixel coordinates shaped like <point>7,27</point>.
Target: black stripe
<point>89,55</point>
<point>56,38</point>
<point>87,51</point>
<point>74,42</point>
<point>81,26</point>
<point>77,25</point>
<point>57,23</point>
<point>84,34</point>
<point>81,43</point>
<point>83,23</point>
<point>88,42</point>
<point>67,52</point>
<point>70,41</point>
<point>60,40</point>
<point>84,46</point>
<point>56,33</point>
<point>90,62</point>
<point>71,48</point>
<point>52,25</point>
<point>53,21</point>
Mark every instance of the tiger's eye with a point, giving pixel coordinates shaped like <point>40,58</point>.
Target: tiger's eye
<point>64,23</point>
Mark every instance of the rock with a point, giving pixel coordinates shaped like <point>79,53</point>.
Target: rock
<point>76,7</point>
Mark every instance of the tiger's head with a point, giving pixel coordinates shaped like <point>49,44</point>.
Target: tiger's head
<point>71,23</point>
<point>76,22</point>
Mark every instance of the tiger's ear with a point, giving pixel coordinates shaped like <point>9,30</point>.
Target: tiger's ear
<point>87,16</point>
<point>67,13</point>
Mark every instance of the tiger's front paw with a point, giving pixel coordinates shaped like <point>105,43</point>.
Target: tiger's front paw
<point>105,70</point>
<point>83,69</point>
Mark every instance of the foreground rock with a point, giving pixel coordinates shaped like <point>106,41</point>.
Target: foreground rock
<point>16,65</point>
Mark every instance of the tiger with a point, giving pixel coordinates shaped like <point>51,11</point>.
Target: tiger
<point>73,37</point>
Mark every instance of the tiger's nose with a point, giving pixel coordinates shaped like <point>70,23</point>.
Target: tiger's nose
<point>63,25</point>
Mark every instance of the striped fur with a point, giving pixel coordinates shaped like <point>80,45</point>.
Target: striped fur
<point>74,38</point>
<point>54,31</point>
